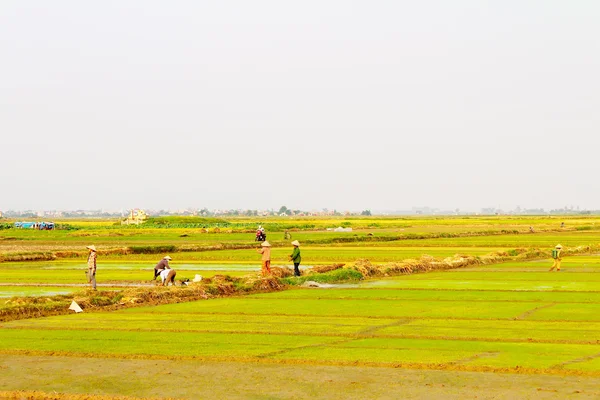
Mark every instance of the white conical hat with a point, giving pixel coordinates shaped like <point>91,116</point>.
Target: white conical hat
<point>75,307</point>
<point>296,243</point>
<point>559,246</point>
<point>92,247</point>
<point>266,244</point>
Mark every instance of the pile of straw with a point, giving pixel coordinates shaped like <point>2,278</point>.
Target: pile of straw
<point>326,268</point>
<point>281,272</point>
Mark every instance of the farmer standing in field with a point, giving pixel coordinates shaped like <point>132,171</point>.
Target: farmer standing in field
<point>557,258</point>
<point>161,266</point>
<point>265,250</point>
<point>295,257</point>
<point>91,263</point>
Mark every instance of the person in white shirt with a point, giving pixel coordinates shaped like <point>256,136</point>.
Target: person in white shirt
<point>168,275</point>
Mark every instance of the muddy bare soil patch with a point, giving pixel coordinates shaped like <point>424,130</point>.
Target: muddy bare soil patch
<point>111,378</point>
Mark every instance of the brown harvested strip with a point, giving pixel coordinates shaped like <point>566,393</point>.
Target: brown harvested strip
<point>275,297</point>
<point>417,366</point>
<point>37,395</point>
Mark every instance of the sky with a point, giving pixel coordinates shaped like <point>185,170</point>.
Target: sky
<point>347,105</point>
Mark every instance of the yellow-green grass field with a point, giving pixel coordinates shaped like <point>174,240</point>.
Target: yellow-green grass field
<point>460,333</point>
<point>442,321</point>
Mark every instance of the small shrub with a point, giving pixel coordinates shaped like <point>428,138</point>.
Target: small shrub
<point>342,275</point>
<point>101,301</point>
<point>153,249</point>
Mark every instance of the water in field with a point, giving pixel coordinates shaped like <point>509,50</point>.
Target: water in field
<point>70,276</point>
<point>21,291</point>
<point>61,265</point>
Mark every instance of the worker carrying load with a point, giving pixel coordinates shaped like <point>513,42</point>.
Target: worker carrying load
<point>557,258</point>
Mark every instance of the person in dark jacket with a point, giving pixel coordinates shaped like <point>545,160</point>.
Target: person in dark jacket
<point>295,257</point>
<point>161,266</point>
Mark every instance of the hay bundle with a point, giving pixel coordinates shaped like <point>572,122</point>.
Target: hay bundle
<point>459,260</point>
<point>267,283</point>
<point>326,268</point>
<point>281,272</point>
<point>423,264</point>
<point>225,288</point>
<point>398,268</point>
<point>365,267</point>
<point>222,278</point>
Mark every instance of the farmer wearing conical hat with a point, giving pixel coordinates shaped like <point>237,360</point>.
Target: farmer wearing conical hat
<point>161,266</point>
<point>295,257</point>
<point>557,258</point>
<point>91,263</point>
<point>265,250</point>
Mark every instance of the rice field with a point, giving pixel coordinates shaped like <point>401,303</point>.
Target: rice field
<point>459,333</point>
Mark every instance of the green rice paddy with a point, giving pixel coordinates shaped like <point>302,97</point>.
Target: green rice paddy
<point>395,324</point>
<point>512,317</point>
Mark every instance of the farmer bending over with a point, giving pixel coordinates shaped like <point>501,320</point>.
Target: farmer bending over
<point>168,275</point>
<point>161,266</point>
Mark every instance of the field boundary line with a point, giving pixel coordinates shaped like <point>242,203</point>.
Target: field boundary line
<point>368,317</point>
<point>308,346</point>
<point>486,354</point>
<point>577,360</point>
<point>369,331</point>
<point>527,314</point>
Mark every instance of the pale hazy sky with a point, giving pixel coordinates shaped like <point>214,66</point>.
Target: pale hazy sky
<point>309,104</point>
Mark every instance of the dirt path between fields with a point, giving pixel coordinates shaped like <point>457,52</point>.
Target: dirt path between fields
<point>194,379</point>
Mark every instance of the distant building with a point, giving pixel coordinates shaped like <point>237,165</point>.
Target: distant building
<point>136,217</point>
